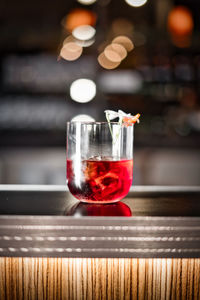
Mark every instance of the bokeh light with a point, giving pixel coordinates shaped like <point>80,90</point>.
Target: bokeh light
<point>136,3</point>
<point>83,90</point>
<point>124,41</point>
<point>87,43</point>
<point>84,32</point>
<point>71,51</point>
<point>115,52</point>
<point>70,38</point>
<point>111,54</point>
<point>82,118</point>
<point>106,63</point>
<point>86,2</point>
<point>180,21</point>
<point>78,17</point>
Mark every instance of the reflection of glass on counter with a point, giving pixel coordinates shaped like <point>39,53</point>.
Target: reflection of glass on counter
<point>114,209</point>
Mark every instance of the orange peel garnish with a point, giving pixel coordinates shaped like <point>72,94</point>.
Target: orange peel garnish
<point>128,121</point>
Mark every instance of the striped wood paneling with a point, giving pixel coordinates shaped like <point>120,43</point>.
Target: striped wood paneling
<point>95,279</point>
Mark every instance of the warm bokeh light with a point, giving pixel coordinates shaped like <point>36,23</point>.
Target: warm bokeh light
<point>86,2</point>
<point>87,43</point>
<point>83,90</point>
<point>70,38</point>
<point>136,3</point>
<point>84,32</point>
<point>180,21</point>
<point>83,118</point>
<point>111,54</point>
<point>124,41</point>
<point>78,17</point>
<point>106,63</point>
<point>115,52</point>
<point>71,51</point>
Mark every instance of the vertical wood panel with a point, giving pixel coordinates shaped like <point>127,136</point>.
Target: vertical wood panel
<point>116,274</point>
<point>178,282</point>
<point>174,279</point>
<point>184,279</point>
<point>149,279</point>
<point>196,279</point>
<point>90,277</point>
<point>163,279</point>
<point>154,281</point>
<point>103,278</point>
<point>168,278</point>
<point>190,278</point>
<point>2,278</point>
<point>134,278</point>
<point>141,279</point>
<point>8,287</point>
<point>127,278</point>
<point>109,282</point>
<point>96,279</point>
<point>64,279</point>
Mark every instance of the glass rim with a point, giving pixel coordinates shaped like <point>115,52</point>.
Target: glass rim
<point>93,123</point>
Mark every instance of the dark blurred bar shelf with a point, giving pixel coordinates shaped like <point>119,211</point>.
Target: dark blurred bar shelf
<point>45,221</point>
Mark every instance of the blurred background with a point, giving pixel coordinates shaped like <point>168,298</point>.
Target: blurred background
<point>62,60</point>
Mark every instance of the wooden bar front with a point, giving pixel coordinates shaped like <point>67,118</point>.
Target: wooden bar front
<point>99,278</point>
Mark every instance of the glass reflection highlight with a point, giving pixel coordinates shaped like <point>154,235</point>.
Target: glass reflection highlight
<point>119,209</point>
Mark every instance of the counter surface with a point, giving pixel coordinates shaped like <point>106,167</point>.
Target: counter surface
<point>46,221</point>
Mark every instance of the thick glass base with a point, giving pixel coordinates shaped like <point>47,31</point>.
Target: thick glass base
<point>99,202</point>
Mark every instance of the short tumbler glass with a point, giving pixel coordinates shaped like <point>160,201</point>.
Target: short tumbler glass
<point>99,161</point>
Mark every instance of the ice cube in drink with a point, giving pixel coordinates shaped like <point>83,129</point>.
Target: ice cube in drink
<point>99,180</point>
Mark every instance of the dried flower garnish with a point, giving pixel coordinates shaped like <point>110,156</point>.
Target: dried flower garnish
<point>130,120</point>
<point>124,119</point>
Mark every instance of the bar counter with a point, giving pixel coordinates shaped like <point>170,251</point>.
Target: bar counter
<point>145,247</point>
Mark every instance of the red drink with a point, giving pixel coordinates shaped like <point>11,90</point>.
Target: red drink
<point>99,181</point>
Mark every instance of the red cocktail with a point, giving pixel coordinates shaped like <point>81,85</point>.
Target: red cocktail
<point>99,160</point>
<point>100,181</point>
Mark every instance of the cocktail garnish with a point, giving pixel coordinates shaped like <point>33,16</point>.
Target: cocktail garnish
<point>124,119</point>
<point>130,120</point>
